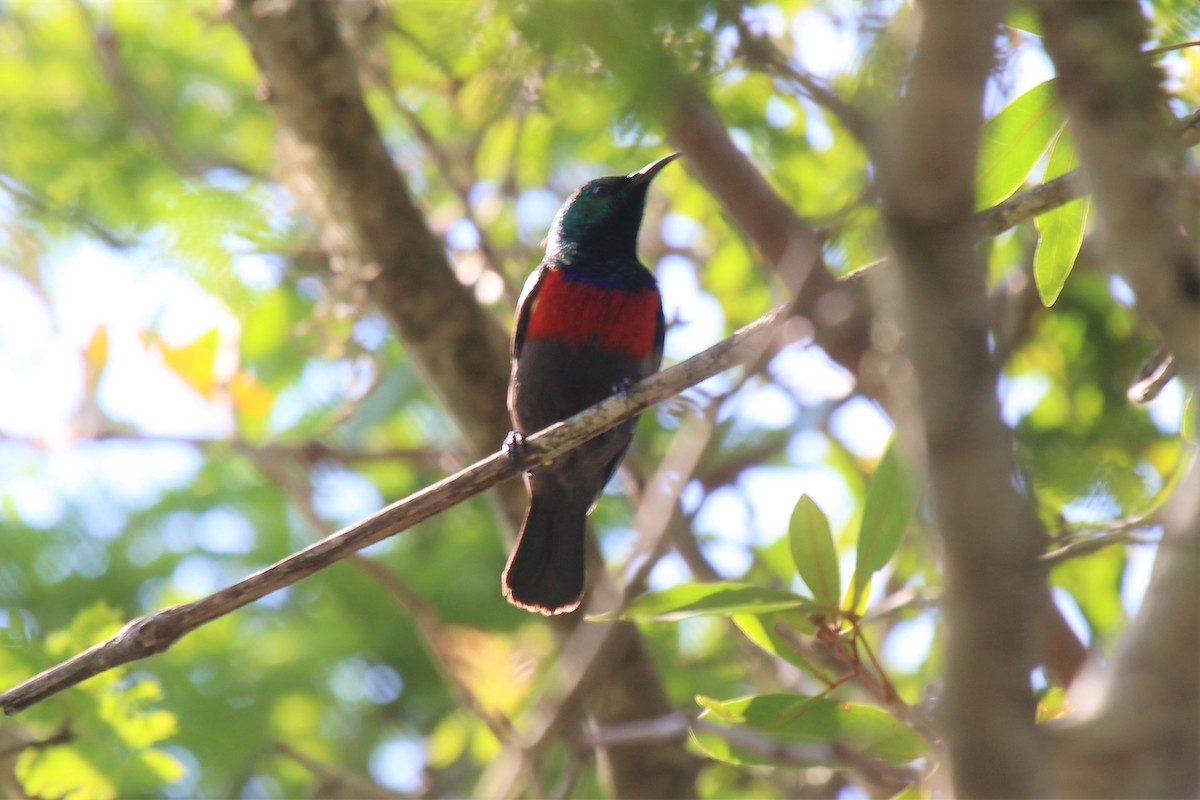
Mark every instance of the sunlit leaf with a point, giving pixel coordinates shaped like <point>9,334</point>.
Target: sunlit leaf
<point>1189,423</point>
<point>914,791</point>
<point>127,709</point>
<point>1095,584</point>
<point>1024,19</point>
<point>162,765</point>
<point>60,771</point>
<point>760,629</point>
<point>1060,231</point>
<point>486,664</point>
<point>294,714</point>
<point>484,745</point>
<point>95,355</point>
<point>889,508</point>
<point>447,742</point>
<point>780,720</point>
<point>89,626</point>
<point>194,362</point>
<point>268,324</point>
<point>712,599</point>
<point>814,553</point>
<point>1053,704</point>
<point>1014,140</point>
<point>250,397</point>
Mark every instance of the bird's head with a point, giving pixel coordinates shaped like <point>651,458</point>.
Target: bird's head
<point>603,216</point>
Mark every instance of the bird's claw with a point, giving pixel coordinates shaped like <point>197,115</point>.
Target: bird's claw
<point>623,388</point>
<point>512,446</point>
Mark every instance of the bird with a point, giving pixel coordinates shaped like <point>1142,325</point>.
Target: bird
<point>589,324</point>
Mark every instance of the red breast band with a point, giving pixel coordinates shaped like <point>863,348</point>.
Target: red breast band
<point>578,312</point>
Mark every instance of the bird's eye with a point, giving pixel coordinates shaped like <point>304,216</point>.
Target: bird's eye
<point>595,191</point>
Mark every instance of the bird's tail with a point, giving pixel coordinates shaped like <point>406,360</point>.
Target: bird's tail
<point>546,569</point>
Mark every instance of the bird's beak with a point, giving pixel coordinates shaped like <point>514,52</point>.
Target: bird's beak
<point>647,173</point>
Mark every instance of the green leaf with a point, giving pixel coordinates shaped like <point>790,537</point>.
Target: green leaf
<point>711,599</point>
<point>760,629</point>
<point>268,324</point>
<point>1024,19</point>
<point>1060,232</point>
<point>814,553</point>
<point>137,725</point>
<point>1189,422</point>
<point>1094,584</point>
<point>912,792</point>
<point>781,720</point>
<point>61,772</point>
<point>90,625</point>
<point>890,504</point>
<point>1014,140</point>
<point>162,765</point>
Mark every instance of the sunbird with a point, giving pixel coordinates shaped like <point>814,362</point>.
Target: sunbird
<point>589,324</point>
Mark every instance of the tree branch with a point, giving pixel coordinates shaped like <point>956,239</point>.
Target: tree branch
<point>839,309</point>
<point>1121,124</point>
<point>1145,737</point>
<point>156,632</point>
<point>1143,740</point>
<point>334,781</point>
<point>990,535</point>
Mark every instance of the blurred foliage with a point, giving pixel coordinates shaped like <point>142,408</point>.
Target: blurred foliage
<point>221,397</point>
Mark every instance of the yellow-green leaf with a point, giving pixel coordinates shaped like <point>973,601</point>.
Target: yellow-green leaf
<point>710,599</point>
<point>195,361</point>
<point>814,553</point>
<point>782,720</point>
<point>890,505</point>
<point>760,629</point>
<point>1014,140</point>
<point>1060,231</point>
<point>62,772</point>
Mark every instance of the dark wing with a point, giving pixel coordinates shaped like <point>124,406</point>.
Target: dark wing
<point>660,335</point>
<point>529,293</point>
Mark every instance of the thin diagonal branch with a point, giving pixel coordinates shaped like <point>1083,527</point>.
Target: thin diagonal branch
<point>156,632</point>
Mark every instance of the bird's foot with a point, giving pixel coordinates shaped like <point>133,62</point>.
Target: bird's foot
<point>512,446</point>
<point>623,388</point>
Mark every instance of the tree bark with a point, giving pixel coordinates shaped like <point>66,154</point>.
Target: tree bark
<point>990,536</point>
<point>1144,738</point>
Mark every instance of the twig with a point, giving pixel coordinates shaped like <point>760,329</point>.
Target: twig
<point>875,769</point>
<point>38,202</point>
<point>307,452</point>
<point>423,616</point>
<point>445,164</point>
<point>669,727</point>
<point>337,778</point>
<point>1083,547</point>
<point>1152,376</point>
<point>156,632</point>
<point>761,50</point>
<point>989,533</point>
<point>61,736</point>
<point>106,48</point>
<point>653,518</point>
